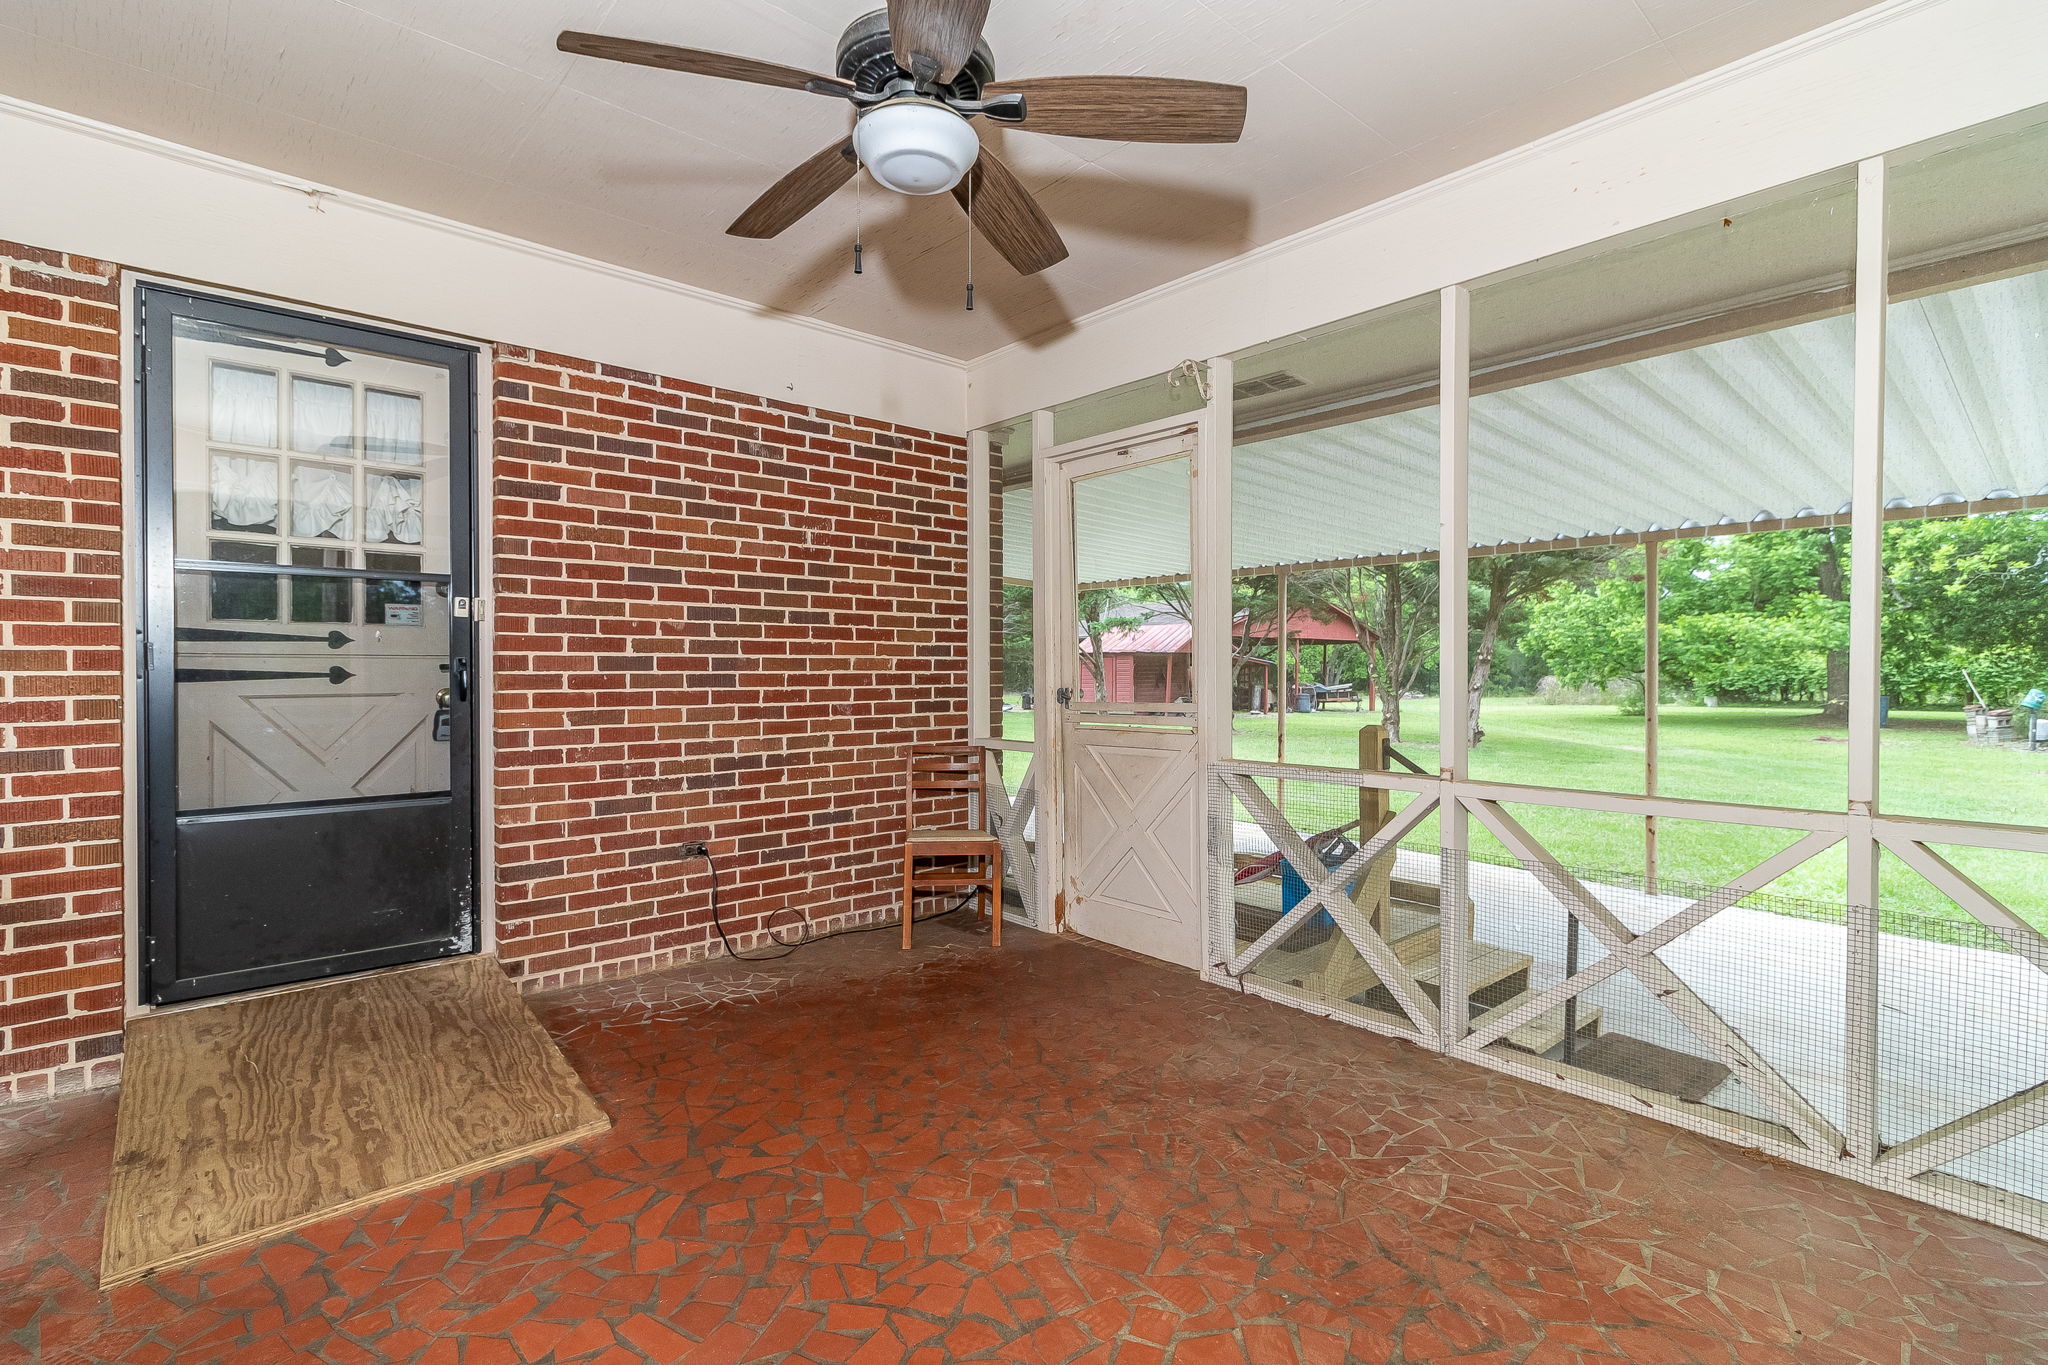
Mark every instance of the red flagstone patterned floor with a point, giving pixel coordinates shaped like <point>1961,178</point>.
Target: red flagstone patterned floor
<point>1045,1154</point>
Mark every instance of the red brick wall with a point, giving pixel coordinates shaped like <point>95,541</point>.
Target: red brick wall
<point>721,618</point>
<point>60,672</point>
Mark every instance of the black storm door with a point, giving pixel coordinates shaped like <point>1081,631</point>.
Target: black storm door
<point>307,573</point>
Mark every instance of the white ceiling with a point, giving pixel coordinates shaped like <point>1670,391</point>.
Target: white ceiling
<point>463,108</point>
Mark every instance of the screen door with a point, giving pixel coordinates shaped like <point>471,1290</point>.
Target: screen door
<point>1129,739</point>
<point>308,673</point>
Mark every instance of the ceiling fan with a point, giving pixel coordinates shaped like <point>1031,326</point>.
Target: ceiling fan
<point>915,73</point>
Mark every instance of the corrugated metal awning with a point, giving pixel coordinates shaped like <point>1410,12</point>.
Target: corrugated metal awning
<point>1753,428</point>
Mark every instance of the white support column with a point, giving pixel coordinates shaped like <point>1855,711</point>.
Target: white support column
<point>1047,667</point>
<point>980,629</point>
<point>1454,540</point>
<point>1210,583</point>
<point>1866,607</point>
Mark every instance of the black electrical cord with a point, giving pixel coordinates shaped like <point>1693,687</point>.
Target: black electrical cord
<point>789,946</point>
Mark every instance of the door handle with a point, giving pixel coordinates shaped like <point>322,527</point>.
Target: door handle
<point>460,677</point>
<point>1065,696</point>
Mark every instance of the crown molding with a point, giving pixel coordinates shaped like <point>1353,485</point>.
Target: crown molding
<point>1685,92</point>
<point>130,139</point>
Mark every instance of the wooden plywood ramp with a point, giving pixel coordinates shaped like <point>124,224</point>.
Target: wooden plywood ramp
<point>240,1121</point>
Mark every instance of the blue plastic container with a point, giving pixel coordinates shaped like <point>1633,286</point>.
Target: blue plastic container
<point>1293,890</point>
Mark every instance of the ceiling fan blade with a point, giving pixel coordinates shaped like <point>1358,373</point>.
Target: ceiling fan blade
<point>696,62</point>
<point>942,32</point>
<point>1128,108</point>
<point>797,193</point>
<point>1008,216</point>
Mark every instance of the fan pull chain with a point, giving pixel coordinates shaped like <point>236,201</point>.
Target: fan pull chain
<point>856,210</point>
<point>970,241</point>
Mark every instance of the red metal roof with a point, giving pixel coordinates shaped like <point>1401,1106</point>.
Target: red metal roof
<point>1164,636</point>
<point>1305,625</point>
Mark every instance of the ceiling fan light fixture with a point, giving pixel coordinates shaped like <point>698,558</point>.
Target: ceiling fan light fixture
<point>915,146</point>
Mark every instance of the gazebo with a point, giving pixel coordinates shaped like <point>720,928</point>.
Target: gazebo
<point>1325,626</point>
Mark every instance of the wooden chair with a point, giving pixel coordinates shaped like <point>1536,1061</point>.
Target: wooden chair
<point>956,773</point>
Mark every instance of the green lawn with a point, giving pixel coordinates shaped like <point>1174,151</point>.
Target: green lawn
<point>1753,755</point>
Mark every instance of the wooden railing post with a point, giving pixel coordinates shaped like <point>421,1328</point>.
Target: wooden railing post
<point>1373,891</point>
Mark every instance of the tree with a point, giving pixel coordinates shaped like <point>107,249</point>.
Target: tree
<point>1398,604</point>
<point>1765,616</point>
<point>1019,622</point>
<point>1594,635</point>
<point>1831,574</point>
<point>1966,593</point>
<point>1099,616</point>
<point>1504,583</point>
<point>1254,625</point>
<point>1762,616</point>
<point>1744,616</point>
<point>1254,615</point>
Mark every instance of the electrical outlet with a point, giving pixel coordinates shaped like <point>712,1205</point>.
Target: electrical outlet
<point>695,848</point>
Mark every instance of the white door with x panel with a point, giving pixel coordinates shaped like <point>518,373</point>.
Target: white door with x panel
<point>1129,743</point>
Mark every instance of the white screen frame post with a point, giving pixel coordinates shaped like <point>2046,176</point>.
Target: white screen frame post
<point>1454,543</point>
<point>1866,625</point>
<point>1210,582</point>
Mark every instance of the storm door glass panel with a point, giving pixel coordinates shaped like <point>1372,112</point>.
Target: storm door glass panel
<point>392,601</point>
<point>323,417</point>
<point>394,510</point>
<point>243,596</point>
<point>1133,602</point>
<point>242,408</point>
<point>243,494</point>
<point>324,679</point>
<point>313,710</point>
<point>323,502</point>
<point>393,426</point>
<point>321,598</point>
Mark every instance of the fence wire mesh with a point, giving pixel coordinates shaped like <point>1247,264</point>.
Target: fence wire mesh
<point>1962,1025</point>
<point>1319,959</point>
<point>1739,1018</point>
<point>1013,766</point>
<point>1740,1012</point>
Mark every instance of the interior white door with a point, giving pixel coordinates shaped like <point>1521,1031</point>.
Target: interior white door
<point>1129,742</point>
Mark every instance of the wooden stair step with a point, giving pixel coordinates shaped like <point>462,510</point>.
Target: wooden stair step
<point>1490,963</point>
<point>1546,1030</point>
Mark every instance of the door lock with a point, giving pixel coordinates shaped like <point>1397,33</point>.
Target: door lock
<point>1065,696</point>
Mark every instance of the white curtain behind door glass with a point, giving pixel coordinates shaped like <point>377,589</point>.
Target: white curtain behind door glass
<point>323,417</point>
<point>322,500</point>
<point>394,510</point>
<point>392,427</point>
<point>244,493</point>
<point>244,406</point>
